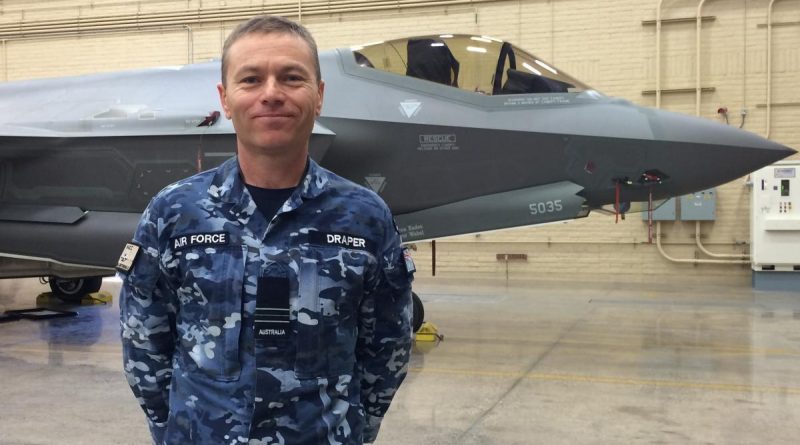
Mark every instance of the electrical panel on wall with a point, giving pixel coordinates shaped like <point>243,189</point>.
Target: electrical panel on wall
<point>665,212</point>
<point>775,217</point>
<point>699,206</point>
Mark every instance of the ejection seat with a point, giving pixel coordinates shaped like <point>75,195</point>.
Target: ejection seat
<point>362,60</point>
<point>520,82</point>
<point>431,59</point>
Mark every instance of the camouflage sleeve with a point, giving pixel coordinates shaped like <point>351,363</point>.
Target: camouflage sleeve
<point>147,319</point>
<point>384,338</point>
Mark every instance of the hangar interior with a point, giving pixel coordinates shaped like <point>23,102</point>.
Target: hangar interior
<point>577,332</point>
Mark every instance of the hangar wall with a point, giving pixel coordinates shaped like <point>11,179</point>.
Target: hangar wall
<point>610,45</point>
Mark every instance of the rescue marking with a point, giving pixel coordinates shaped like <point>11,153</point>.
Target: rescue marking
<point>536,100</point>
<point>200,239</point>
<point>415,231</point>
<point>437,142</point>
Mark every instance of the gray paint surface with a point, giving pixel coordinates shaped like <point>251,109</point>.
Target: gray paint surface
<point>449,160</point>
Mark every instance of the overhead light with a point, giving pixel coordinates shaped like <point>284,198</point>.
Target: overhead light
<point>491,39</point>
<point>481,39</point>
<point>532,69</point>
<point>546,66</point>
<point>446,36</point>
<point>437,44</point>
<point>356,48</point>
<point>476,49</point>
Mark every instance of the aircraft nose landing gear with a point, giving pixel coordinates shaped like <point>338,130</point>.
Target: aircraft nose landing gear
<point>74,289</point>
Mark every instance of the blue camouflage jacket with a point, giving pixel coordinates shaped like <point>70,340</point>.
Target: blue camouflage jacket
<point>237,329</point>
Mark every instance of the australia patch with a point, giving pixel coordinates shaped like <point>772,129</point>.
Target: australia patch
<point>128,257</point>
<point>272,309</point>
<point>199,239</point>
<point>410,267</point>
<point>341,240</point>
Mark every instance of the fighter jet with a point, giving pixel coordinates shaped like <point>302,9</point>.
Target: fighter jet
<point>457,133</point>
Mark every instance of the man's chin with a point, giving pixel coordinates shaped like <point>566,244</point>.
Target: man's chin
<point>277,146</point>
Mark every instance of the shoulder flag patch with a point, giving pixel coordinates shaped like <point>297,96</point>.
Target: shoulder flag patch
<point>128,257</point>
<point>410,267</point>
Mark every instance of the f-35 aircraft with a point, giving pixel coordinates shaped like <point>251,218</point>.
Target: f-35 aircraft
<point>457,133</point>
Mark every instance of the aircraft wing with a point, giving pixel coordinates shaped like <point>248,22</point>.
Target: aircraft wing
<point>528,206</point>
<point>64,241</point>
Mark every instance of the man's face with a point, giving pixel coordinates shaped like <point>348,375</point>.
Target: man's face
<point>271,93</point>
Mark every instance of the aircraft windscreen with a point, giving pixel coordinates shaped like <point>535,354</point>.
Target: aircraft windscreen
<point>479,64</point>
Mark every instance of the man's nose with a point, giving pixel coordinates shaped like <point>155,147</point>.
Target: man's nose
<point>272,91</point>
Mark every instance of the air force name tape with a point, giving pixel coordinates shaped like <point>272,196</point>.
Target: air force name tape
<point>128,257</point>
<point>199,239</point>
<point>341,240</point>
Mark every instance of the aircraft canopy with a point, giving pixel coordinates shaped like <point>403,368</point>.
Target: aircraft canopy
<point>478,64</point>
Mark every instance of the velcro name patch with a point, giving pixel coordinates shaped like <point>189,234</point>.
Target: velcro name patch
<point>128,257</point>
<point>199,239</point>
<point>341,240</point>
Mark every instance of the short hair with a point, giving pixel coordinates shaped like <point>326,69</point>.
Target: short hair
<point>266,24</point>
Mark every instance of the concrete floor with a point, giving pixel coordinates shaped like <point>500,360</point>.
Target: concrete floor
<point>520,364</point>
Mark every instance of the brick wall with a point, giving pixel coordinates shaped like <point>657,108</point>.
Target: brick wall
<point>605,44</point>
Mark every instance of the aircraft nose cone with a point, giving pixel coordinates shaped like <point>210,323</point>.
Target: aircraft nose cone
<point>686,129</point>
<point>657,153</point>
<point>699,153</point>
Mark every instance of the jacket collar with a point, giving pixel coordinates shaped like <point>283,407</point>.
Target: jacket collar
<point>228,184</point>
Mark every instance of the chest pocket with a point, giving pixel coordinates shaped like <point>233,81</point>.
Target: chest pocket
<point>209,321</point>
<point>331,284</point>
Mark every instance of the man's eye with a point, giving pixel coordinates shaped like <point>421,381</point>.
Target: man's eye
<point>294,78</point>
<point>250,80</point>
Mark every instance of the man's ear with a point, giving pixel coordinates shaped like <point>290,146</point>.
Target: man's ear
<point>321,94</point>
<point>223,99</point>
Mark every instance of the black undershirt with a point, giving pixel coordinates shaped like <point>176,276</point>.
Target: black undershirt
<point>269,201</point>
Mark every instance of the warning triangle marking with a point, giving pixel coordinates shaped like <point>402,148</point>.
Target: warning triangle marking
<point>410,108</point>
<point>376,183</point>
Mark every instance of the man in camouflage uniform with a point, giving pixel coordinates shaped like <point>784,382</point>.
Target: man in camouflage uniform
<point>266,301</point>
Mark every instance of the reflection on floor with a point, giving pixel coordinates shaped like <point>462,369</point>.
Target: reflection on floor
<point>519,364</point>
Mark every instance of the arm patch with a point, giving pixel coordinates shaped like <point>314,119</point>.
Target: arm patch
<point>128,257</point>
